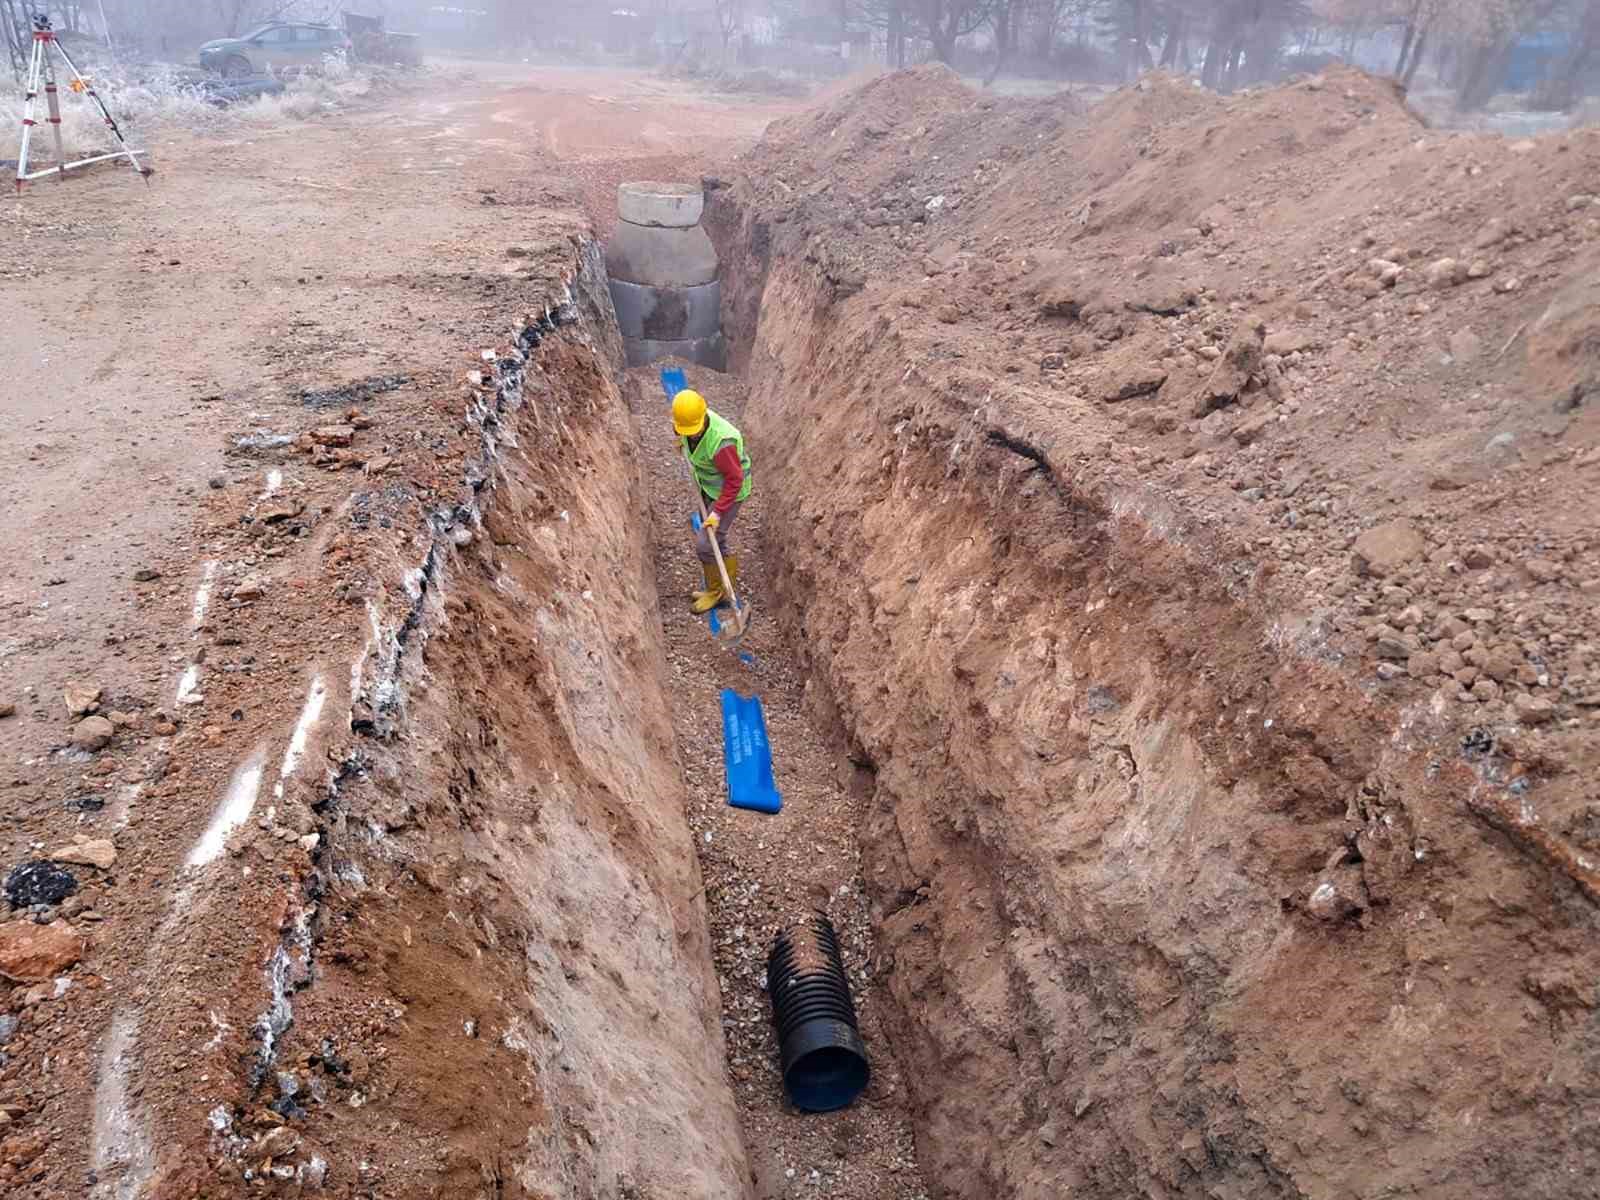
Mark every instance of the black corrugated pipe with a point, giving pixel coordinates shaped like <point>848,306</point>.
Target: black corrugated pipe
<point>824,1063</point>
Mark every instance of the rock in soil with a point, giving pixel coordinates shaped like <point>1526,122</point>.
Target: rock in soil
<point>1233,371</point>
<point>98,853</point>
<point>281,512</point>
<point>32,953</point>
<point>39,882</point>
<point>276,1143</point>
<point>81,699</point>
<point>1533,710</point>
<point>1286,341</point>
<point>1141,381</point>
<point>1337,896</point>
<point>1384,549</point>
<point>93,733</point>
<point>333,435</point>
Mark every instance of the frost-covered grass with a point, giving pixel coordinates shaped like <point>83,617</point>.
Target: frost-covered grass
<point>163,98</point>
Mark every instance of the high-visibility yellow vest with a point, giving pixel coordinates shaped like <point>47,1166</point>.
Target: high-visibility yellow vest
<point>718,430</point>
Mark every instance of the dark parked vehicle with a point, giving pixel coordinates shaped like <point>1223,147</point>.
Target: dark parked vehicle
<point>280,47</point>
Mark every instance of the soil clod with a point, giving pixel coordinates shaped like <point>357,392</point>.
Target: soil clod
<point>38,882</point>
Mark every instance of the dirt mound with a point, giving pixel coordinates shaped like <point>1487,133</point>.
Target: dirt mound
<point>1203,569</point>
<point>1564,342</point>
<point>873,110</point>
<point>899,147</point>
<point>1130,126</point>
<point>1403,280</point>
<point>1164,152</point>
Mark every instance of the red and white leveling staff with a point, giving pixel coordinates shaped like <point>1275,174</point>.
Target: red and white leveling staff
<point>42,74</point>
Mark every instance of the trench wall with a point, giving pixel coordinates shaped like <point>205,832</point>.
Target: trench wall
<point>505,852</point>
<point>1169,906</point>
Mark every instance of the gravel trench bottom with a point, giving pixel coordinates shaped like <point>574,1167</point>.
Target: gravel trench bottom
<point>760,870</point>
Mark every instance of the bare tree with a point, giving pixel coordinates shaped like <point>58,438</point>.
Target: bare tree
<point>1128,22</point>
<point>13,29</point>
<point>1475,40</point>
<point>1245,39</point>
<point>895,33</point>
<point>1175,44</point>
<point>1418,21</point>
<point>1049,18</point>
<point>238,15</point>
<point>1491,30</point>
<point>945,22</point>
<point>1561,90</point>
<point>1005,19</point>
<point>730,20</point>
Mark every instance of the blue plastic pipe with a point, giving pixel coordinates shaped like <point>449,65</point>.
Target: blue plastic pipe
<point>746,755</point>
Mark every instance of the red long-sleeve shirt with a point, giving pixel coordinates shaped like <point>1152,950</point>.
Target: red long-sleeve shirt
<point>727,461</point>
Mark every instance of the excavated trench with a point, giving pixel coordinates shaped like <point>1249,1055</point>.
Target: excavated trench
<point>529,849</point>
<point>1075,796</point>
<point>1163,902</point>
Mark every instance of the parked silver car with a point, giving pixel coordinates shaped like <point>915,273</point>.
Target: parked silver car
<point>279,47</point>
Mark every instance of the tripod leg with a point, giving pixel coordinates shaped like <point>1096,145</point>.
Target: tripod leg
<point>111,122</point>
<point>53,102</point>
<point>34,61</point>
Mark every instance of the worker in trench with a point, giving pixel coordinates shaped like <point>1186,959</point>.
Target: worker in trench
<point>721,468</point>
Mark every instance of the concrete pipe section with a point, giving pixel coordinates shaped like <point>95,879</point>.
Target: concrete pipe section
<point>663,272</point>
<point>661,205</point>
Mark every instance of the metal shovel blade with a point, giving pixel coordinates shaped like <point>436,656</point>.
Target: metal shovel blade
<point>730,633</point>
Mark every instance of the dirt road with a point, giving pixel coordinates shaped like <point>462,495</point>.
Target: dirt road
<point>163,342</point>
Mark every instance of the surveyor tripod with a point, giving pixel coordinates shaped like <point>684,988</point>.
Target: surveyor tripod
<point>42,77</point>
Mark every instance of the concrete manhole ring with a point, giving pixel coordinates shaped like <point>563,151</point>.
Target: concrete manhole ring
<point>660,205</point>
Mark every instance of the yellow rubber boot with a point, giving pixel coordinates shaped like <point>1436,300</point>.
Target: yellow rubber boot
<point>712,596</point>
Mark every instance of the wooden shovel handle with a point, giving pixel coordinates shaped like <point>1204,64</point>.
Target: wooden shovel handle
<point>722,570</point>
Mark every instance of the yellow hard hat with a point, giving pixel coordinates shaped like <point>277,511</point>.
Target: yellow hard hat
<point>688,413</point>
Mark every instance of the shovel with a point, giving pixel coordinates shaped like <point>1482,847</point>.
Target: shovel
<point>729,634</point>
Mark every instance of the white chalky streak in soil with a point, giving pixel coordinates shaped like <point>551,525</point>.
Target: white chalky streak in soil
<point>302,730</point>
<point>120,1147</point>
<point>358,667</point>
<point>202,595</point>
<point>187,684</point>
<point>122,809</point>
<point>274,482</point>
<point>234,811</point>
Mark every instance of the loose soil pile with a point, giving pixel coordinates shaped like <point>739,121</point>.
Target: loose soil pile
<point>1428,304</point>
<point>1185,508</point>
